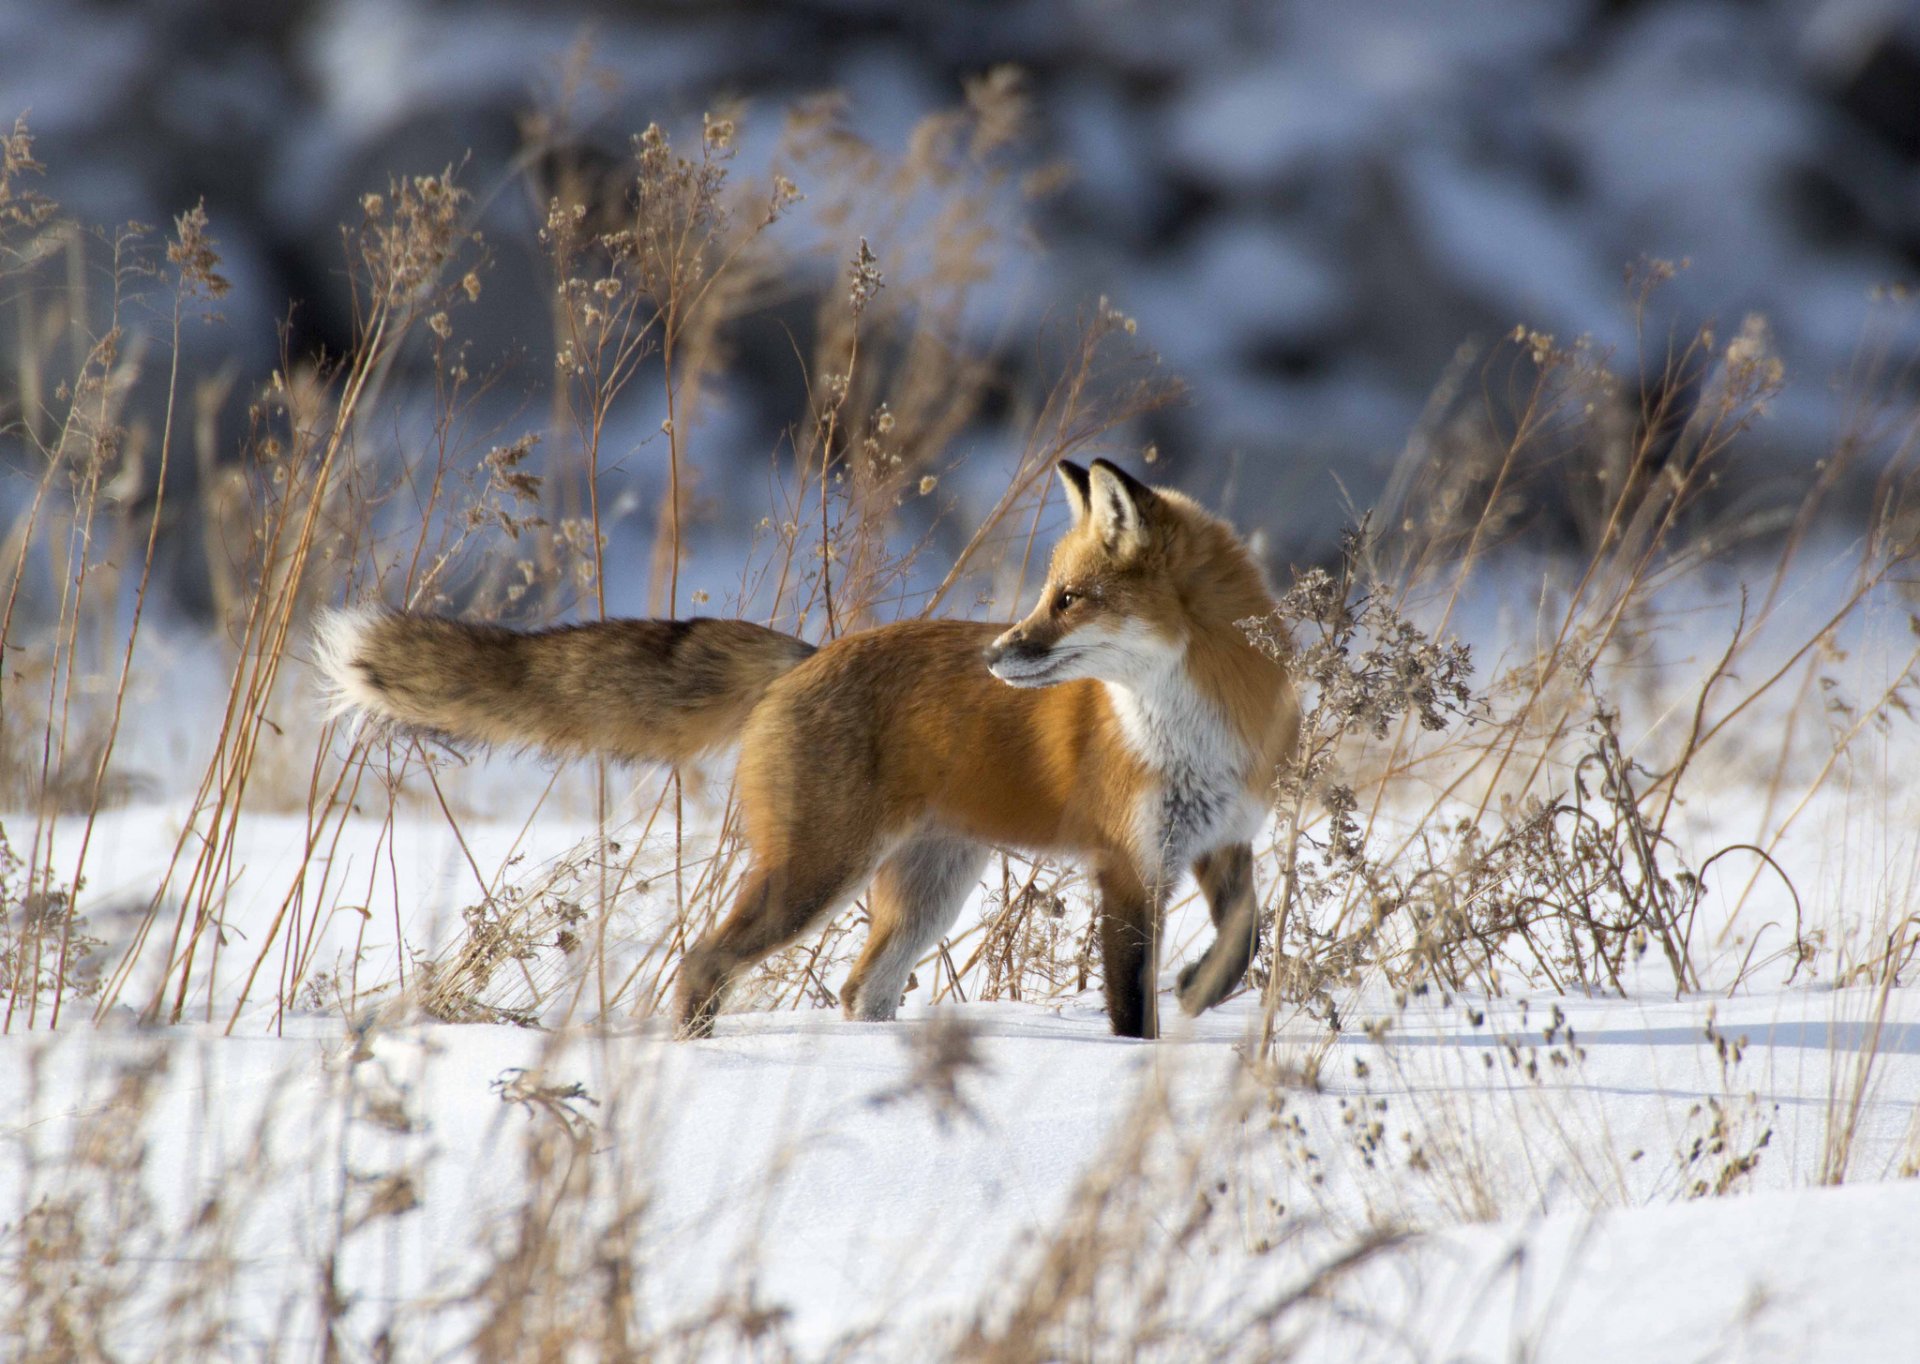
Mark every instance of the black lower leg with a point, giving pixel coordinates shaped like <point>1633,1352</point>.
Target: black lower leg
<point>1127,953</point>
<point>704,977</point>
<point>1226,878</point>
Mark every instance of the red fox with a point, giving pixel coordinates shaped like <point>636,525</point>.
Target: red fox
<point>1127,721</point>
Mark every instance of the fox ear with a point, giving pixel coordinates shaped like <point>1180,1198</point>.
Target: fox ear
<point>1119,506</point>
<point>1073,481</point>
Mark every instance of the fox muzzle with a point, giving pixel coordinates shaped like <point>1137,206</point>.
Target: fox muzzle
<point>1017,658</point>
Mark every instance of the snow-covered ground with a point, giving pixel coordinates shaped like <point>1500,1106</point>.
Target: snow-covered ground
<point>1547,1208</point>
<point>1529,1176</point>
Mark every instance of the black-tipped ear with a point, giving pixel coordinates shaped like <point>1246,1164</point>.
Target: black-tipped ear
<point>1142,495</point>
<point>1073,481</point>
<point>1120,504</point>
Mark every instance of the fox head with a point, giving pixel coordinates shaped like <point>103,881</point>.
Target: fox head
<point>1140,570</point>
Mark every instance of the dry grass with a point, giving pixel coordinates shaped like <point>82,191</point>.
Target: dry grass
<point>1450,829</point>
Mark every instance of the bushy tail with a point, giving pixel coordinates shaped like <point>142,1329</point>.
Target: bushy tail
<point>650,690</point>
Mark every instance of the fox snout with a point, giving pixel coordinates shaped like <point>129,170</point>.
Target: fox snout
<point>1017,658</point>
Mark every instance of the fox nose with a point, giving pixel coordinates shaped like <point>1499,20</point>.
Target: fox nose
<point>1008,643</point>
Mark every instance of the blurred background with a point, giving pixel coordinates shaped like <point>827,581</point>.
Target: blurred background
<point>1321,215</point>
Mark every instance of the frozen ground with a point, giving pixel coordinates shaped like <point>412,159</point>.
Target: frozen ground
<point>795,1152</point>
<point>1576,1178</point>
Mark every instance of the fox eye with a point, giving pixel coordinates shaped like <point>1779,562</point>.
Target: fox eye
<point>1066,598</point>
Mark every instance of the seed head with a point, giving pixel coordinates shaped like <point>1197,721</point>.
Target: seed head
<point>866,278</point>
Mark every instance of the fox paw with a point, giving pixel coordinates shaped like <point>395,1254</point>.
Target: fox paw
<point>1184,989</point>
<point>694,1029</point>
<point>1202,983</point>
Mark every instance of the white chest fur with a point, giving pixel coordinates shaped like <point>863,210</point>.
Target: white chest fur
<point>1200,801</point>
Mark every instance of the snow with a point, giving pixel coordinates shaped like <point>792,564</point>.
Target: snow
<point>1538,1154</point>
<point>1239,281</point>
<point>1500,1172</point>
<point>1505,245</point>
<point>1812,1274</point>
<point>1642,1176</point>
<point>775,1141</point>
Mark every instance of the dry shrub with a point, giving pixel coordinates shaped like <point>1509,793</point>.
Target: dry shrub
<point>1439,832</point>
<point>45,948</point>
<point>1549,844</point>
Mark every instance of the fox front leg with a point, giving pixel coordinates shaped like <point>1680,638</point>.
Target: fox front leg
<point>1226,878</point>
<point>1129,939</point>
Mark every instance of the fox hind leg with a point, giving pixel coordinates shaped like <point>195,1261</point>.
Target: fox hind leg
<point>775,906</point>
<point>1226,878</point>
<point>916,896</point>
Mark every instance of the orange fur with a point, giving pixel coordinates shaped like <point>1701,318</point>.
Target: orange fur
<point>1140,732</point>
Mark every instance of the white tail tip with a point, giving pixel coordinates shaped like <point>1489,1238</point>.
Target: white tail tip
<point>338,638</point>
